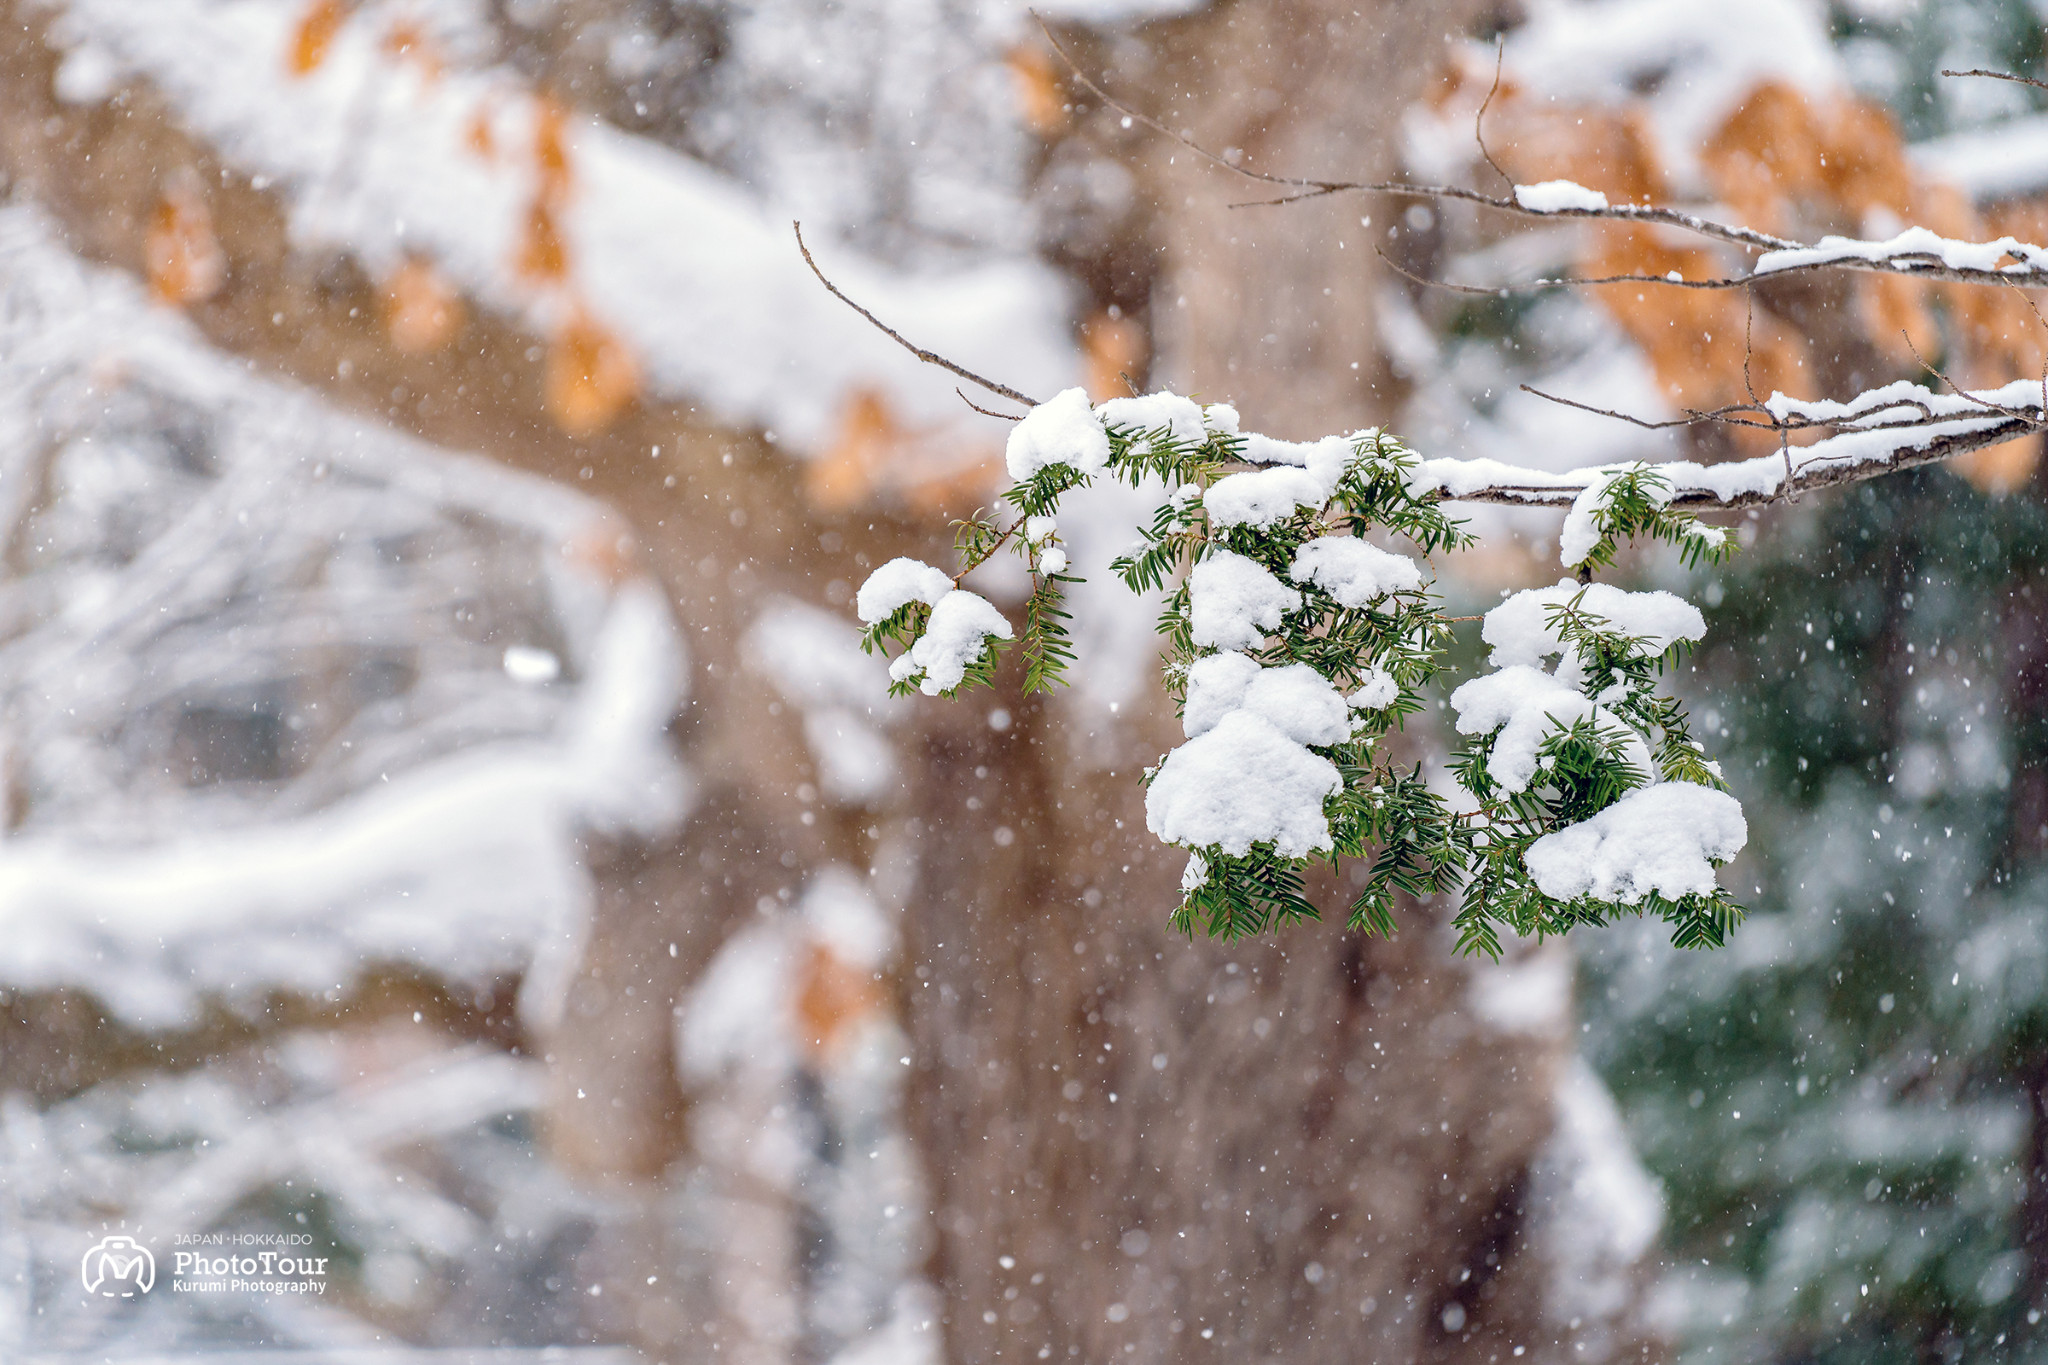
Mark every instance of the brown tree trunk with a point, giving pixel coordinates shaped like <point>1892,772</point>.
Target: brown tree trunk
<point>1303,1146</point>
<point>1273,309</point>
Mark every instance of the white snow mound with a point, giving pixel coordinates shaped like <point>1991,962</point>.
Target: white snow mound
<point>1655,839</point>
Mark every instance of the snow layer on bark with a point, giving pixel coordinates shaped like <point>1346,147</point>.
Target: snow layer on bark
<point>1889,428</point>
<point>1658,838</point>
<point>458,855</point>
<point>1551,196</point>
<point>701,279</point>
<point>1913,242</point>
<point>1233,602</point>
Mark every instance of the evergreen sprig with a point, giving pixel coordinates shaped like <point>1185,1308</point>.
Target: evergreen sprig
<point>1414,842</point>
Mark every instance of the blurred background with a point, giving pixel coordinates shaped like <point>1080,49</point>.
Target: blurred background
<point>448,818</point>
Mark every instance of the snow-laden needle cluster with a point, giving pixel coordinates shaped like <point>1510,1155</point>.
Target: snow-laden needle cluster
<point>1294,642</point>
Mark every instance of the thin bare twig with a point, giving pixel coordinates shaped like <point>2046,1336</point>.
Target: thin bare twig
<point>928,357</point>
<point>1500,52</point>
<point>1007,417</point>
<point>1760,416</point>
<point>1630,418</point>
<point>1567,282</point>
<point>1728,414</point>
<point>1957,389</point>
<point>2001,76</point>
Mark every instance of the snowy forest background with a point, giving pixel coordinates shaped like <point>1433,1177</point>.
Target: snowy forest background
<point>446,809</point>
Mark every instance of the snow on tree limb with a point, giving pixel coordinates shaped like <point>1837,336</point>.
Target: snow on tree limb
<point>1582,794</point>
<point>1295,645</point>
<point>1586,767</point>
<point>1883,431</point>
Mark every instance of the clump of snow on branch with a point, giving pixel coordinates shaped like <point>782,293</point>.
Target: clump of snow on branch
<point>1060,431</point>
<point>1582,532</point>
<point>1526,706</point>
<point>1665,839</point>
<point>1243,782</point>
<point>1234,602</point>
<point>896,585</point>
<point>1355,572</point>
<point>1182,418</point>
<point>957,635</point>
<point>1246,775</point>
<point>1524,629</point>
<point>1262,497</point>
<point>1554,196</point>
<point>1379,691</point>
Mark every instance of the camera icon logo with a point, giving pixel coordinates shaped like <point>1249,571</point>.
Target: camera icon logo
<point>118,1267</point>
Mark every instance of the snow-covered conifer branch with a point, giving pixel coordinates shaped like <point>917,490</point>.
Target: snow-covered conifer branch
<point>1295,642</point>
